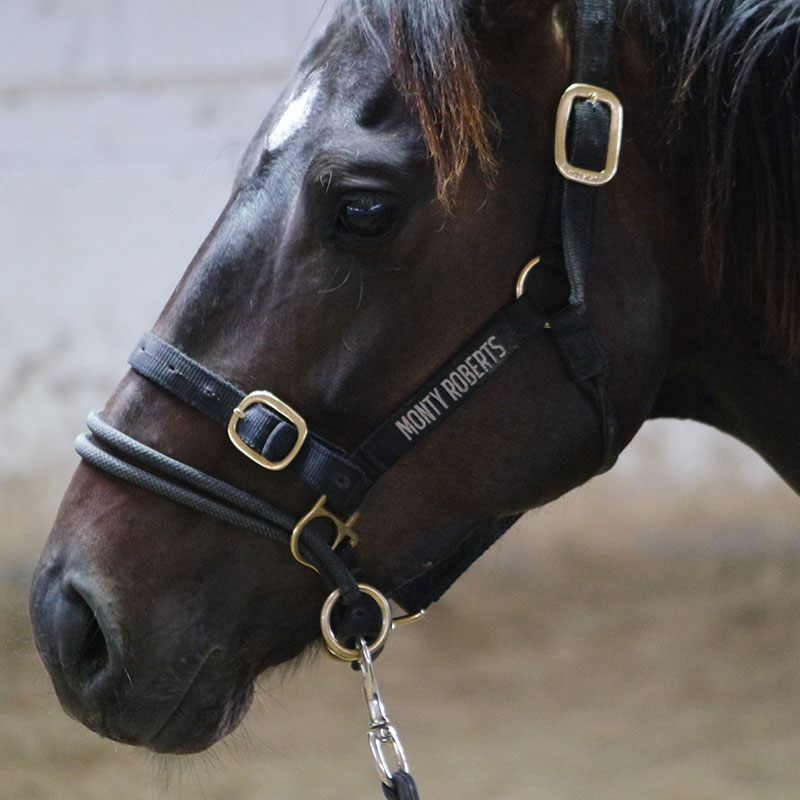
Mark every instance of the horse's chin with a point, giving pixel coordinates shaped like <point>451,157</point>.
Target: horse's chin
<point>197,723</point>
<point>188,720</point>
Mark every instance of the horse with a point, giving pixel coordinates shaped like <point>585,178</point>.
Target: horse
<point>362,310</point>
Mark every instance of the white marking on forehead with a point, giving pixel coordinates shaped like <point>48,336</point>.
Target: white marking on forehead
<point>295,115</point>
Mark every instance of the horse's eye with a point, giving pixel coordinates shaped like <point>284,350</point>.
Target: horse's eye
<point>366,215</point>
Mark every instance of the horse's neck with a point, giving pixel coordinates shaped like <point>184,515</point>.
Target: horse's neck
<point>727,378</point>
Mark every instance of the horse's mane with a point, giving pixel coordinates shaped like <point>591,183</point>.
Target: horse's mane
<point>730,68</point>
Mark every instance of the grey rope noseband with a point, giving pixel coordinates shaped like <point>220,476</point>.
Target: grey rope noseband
<point>156,472</point>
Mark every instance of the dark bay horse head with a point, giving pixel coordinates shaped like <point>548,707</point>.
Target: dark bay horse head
<point>380,216</point>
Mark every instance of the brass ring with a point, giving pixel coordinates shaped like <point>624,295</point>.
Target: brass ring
<point>523,276</point>
<point>335,647</point>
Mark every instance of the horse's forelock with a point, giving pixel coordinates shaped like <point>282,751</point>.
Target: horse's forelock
<point>433,57</point>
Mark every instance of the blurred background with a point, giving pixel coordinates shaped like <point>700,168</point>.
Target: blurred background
<point>637,639</point>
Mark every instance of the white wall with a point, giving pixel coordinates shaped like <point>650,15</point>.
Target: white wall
<point>120,125</point>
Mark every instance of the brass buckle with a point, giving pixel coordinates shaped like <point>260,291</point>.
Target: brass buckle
<point>267,399</point>
<point>344,530</point>
<point>595,94</point>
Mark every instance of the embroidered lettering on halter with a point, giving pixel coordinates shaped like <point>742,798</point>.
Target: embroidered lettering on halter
<point>452,388</point>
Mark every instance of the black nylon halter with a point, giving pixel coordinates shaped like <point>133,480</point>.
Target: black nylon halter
<point>346,477</point>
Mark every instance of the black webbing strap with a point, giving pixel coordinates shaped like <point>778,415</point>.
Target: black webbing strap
<point>343,477</point>
<point>569,232</point>
<point>587,144</point>
<point>421,591</point>
<point>325,467</point>
<point>592,40</point>
<point>453,384</point>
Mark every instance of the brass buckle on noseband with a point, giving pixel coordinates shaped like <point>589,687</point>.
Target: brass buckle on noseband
<point>267,399</point>
<point>595,94</point>
<point>344,530</point>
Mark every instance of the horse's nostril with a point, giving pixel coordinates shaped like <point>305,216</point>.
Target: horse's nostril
<point>80,643</point>
<point>93,655</point>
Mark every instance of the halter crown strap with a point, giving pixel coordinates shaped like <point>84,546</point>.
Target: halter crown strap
<point>569,233</point>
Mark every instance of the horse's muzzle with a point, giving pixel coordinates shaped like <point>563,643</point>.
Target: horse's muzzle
<point>100,682</point>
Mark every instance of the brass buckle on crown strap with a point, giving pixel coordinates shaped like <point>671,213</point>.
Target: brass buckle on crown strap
<point>595,94</point>
<point>344,530</point>
<point>267,399</point>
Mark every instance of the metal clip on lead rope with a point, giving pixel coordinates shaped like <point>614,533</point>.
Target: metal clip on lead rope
<point>384,742</point>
